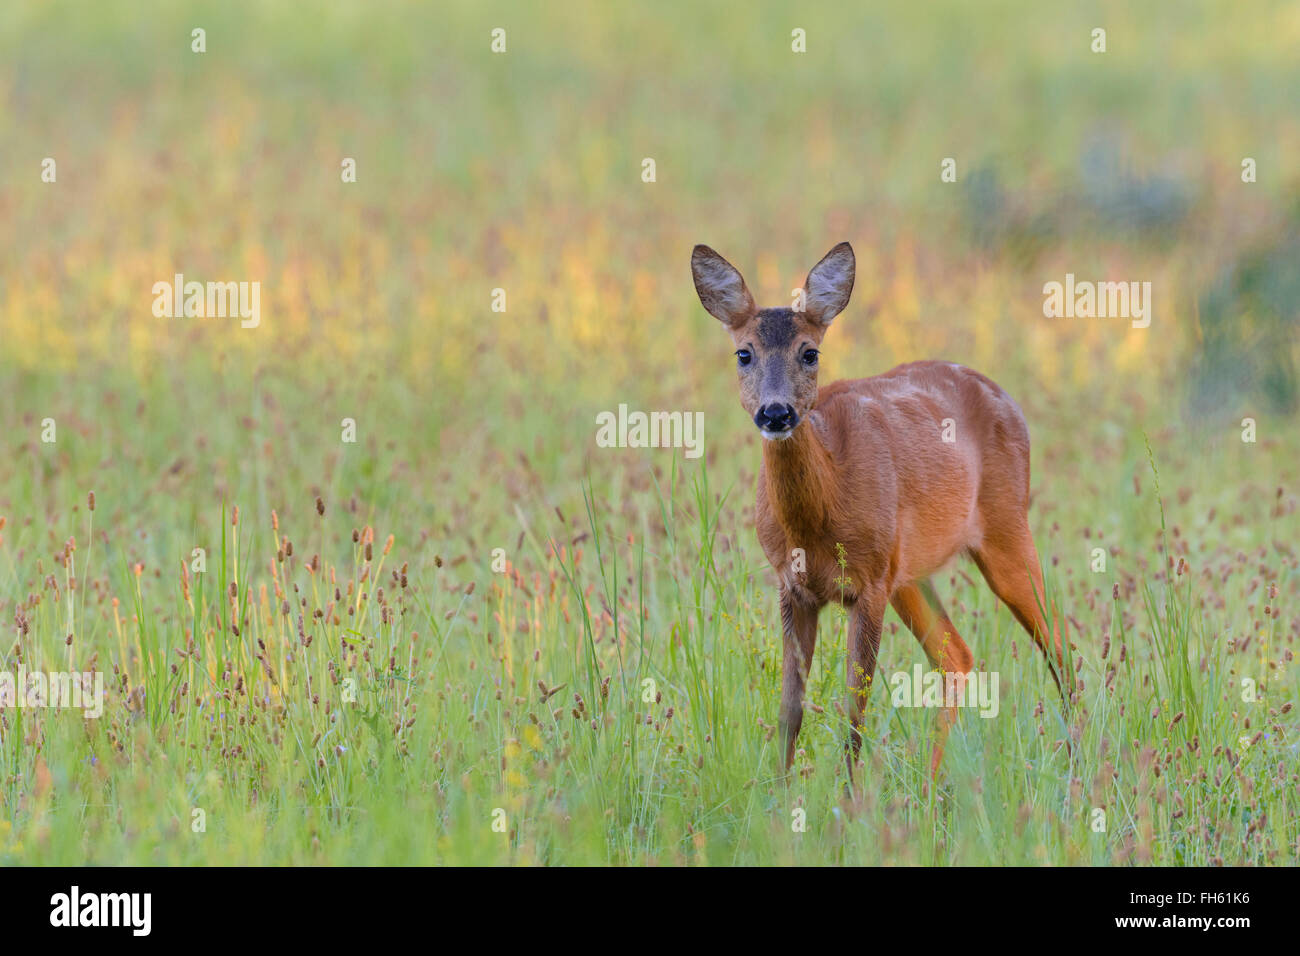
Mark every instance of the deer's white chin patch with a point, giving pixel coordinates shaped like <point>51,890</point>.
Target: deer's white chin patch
<point>775,436</point>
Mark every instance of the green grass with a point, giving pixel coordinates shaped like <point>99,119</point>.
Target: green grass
<point>631,574</point>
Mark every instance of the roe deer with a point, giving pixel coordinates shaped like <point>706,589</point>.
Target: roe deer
<point>863,465</point>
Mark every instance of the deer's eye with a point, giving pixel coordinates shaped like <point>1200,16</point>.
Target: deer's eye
<point>744,357</point>
<point>809,357</point>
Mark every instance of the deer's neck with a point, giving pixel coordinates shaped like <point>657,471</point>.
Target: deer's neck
<point>801,481</point>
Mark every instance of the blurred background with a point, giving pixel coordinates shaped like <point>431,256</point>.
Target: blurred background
<point>522,171</point>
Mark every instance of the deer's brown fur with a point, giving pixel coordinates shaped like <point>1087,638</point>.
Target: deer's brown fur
<point>867,467</point>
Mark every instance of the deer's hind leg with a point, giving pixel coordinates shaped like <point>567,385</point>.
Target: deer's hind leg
<point>920,609</point>
<point>1009,562</point>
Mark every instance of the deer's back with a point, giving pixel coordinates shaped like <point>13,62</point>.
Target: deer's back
<point>941,448</point>
<point>913,403</point>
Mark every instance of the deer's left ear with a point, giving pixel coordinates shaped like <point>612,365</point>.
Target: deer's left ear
<point>829,284</point>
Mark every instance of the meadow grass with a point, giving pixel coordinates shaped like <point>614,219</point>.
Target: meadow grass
<point>351,680</point>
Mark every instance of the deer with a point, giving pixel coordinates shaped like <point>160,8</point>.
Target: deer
<point>867,487</point>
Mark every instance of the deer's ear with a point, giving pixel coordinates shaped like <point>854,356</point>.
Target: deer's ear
<point>721,288</point>
<point>829,284</point>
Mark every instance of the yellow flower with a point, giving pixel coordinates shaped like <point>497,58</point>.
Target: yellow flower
<point>532,737</point>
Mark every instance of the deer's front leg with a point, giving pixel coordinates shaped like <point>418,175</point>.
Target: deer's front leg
<point>864,644</point>
<point>799,636</point>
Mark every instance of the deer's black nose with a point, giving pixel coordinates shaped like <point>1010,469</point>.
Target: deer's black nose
<point>776,417</point>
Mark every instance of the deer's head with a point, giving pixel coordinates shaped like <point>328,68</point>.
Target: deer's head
<point>776,349</point>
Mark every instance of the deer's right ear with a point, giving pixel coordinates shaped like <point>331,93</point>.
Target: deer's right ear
<point>721,288</point>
